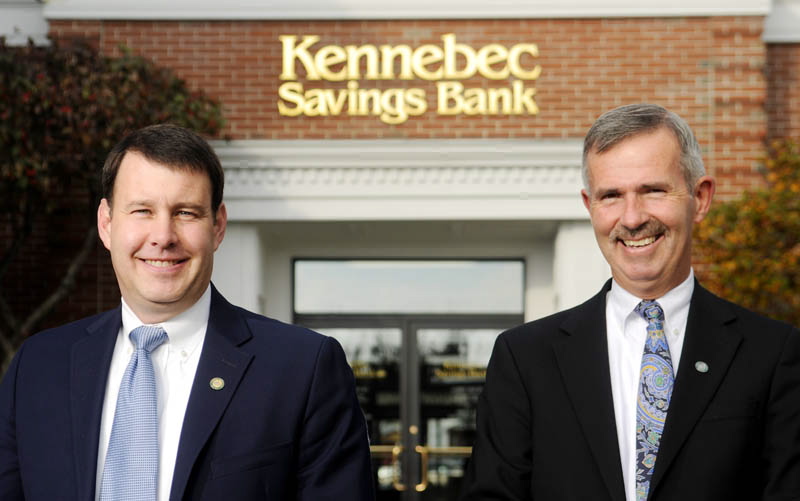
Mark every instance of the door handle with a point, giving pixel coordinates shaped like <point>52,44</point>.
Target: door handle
<point>423,454</point>
<point>396,483</point>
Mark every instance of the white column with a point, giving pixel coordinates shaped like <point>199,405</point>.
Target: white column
<point>540,297</point>
<point>238,266</point>
<point>579,269</point>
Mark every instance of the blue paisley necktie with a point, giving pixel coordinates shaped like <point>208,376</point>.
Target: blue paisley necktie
<point>131,468</point>
<point>656,379</point>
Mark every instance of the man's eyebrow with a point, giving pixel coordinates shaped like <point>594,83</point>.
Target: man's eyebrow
<point>606,191</point>
<point>138,203</point>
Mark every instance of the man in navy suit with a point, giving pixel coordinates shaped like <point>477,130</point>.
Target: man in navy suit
<point>696,400</point>
<point>248,408</point>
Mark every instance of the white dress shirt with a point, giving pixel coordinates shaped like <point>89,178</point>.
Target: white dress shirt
<point>175,364</point>
<point>626,332</point>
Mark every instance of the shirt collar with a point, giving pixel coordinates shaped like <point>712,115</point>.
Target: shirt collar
<point>185,330</point>
<point>675,302</point>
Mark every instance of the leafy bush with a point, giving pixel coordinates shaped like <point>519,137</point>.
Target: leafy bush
<point>751,246</point>
<point>61,110</point>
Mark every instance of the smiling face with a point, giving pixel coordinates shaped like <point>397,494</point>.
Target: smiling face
<point>162,234</point>
<point>643,211</point>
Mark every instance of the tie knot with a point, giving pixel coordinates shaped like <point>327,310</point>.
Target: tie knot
<point>148,337</point>
<point>650,311</point>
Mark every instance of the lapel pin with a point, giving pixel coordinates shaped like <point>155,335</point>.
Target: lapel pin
<point>701,366</point>
<point>217,383</point>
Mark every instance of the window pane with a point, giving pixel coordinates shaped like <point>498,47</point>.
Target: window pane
<point>408,286</point>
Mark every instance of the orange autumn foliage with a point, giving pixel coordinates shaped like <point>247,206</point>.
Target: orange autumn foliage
<point>749,248</point>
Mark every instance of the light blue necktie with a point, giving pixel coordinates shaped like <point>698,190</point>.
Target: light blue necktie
<point>131,467</point>
<point>656,379</point>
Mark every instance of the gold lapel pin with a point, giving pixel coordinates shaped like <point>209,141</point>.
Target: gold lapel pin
<point>701,366</point>
<point>217,383</point>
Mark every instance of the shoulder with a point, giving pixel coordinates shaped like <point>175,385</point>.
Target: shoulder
<point>546,329</point>
<point>262,334</point>
<point>55,338</point>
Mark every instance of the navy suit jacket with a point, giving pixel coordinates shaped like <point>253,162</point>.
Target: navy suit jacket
<point>546,427</point>
<point>286,425</point>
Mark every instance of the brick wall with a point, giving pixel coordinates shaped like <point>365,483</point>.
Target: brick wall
<point>710,70</point>
<point>783,90</point>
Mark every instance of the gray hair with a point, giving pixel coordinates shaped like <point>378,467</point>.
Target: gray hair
<point>626,121</point>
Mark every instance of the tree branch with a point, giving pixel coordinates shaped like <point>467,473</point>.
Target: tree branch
<point>64,287</point>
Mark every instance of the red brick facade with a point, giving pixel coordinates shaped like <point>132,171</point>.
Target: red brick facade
<point>716,72</point>
<point>710,70</point>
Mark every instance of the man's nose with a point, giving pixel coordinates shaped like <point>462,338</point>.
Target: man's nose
<point>634,214</point>
<point>162,231</point>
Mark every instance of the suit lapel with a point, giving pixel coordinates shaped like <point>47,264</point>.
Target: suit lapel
<point>582,354</point>
<point>90,361</point>
<point>708,339</point>
<point>220,358</point>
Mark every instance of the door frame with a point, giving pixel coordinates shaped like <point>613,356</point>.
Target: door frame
<point>410,448</point>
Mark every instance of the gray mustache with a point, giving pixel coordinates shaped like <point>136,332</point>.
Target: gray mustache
<point>650,228</point>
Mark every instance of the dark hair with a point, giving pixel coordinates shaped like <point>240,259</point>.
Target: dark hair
<point>171,146</point>
<point>623,122</point>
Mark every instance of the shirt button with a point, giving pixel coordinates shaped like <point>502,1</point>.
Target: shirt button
<point>184,354</point>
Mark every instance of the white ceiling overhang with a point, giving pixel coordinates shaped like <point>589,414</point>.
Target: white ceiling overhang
<point>367,180</point>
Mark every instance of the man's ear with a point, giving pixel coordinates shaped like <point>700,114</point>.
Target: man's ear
<point>587,201</point>
<point>703,193</point>
<point>220,224</point>
<point>104,222</point>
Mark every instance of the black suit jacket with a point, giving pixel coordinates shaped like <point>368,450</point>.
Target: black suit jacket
<point>286,425</point>
<point>546,428</point>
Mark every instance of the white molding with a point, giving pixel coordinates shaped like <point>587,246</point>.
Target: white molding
<point>22,20</point>
<point>407,9</point>
<point>363,180</point>
<point>783,23</point>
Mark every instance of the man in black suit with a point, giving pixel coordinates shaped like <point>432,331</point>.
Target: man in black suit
<point>654,389</point>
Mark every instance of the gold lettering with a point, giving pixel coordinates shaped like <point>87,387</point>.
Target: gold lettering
<point>290,53</point>
<point>474,102</point>
<point>514,65</point>
<point>498,96</point>
<point>451,51</point>
<point>365,96</point>
<point>354,55</point>
<point>426,55</point>
<point>292,92</point>
<point>523,98</point>
<point>315,104</point>
<point>490,55</point>
<point>415,102</point>
<point>393,107</point>
<point>352,97</point>
<point>329,56</point>
<point>449,91</point>
<point>388,54</point>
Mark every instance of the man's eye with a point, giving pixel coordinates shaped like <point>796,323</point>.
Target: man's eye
<point>186,213</point>
<point>141,211</point>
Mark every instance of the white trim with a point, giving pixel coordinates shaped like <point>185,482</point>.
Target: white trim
<point>407,9</point>
<point>22,20</point>
<point>368,180</point>
<point>783,23</point>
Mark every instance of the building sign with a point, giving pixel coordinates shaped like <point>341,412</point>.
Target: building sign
<point>446,64</point>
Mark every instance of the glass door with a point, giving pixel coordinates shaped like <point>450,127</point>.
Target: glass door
<point>418,383</point>
<point>418,334</point>
<point>452,369</point>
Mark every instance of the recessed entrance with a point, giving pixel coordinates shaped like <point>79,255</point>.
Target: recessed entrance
<point>420,367</point>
